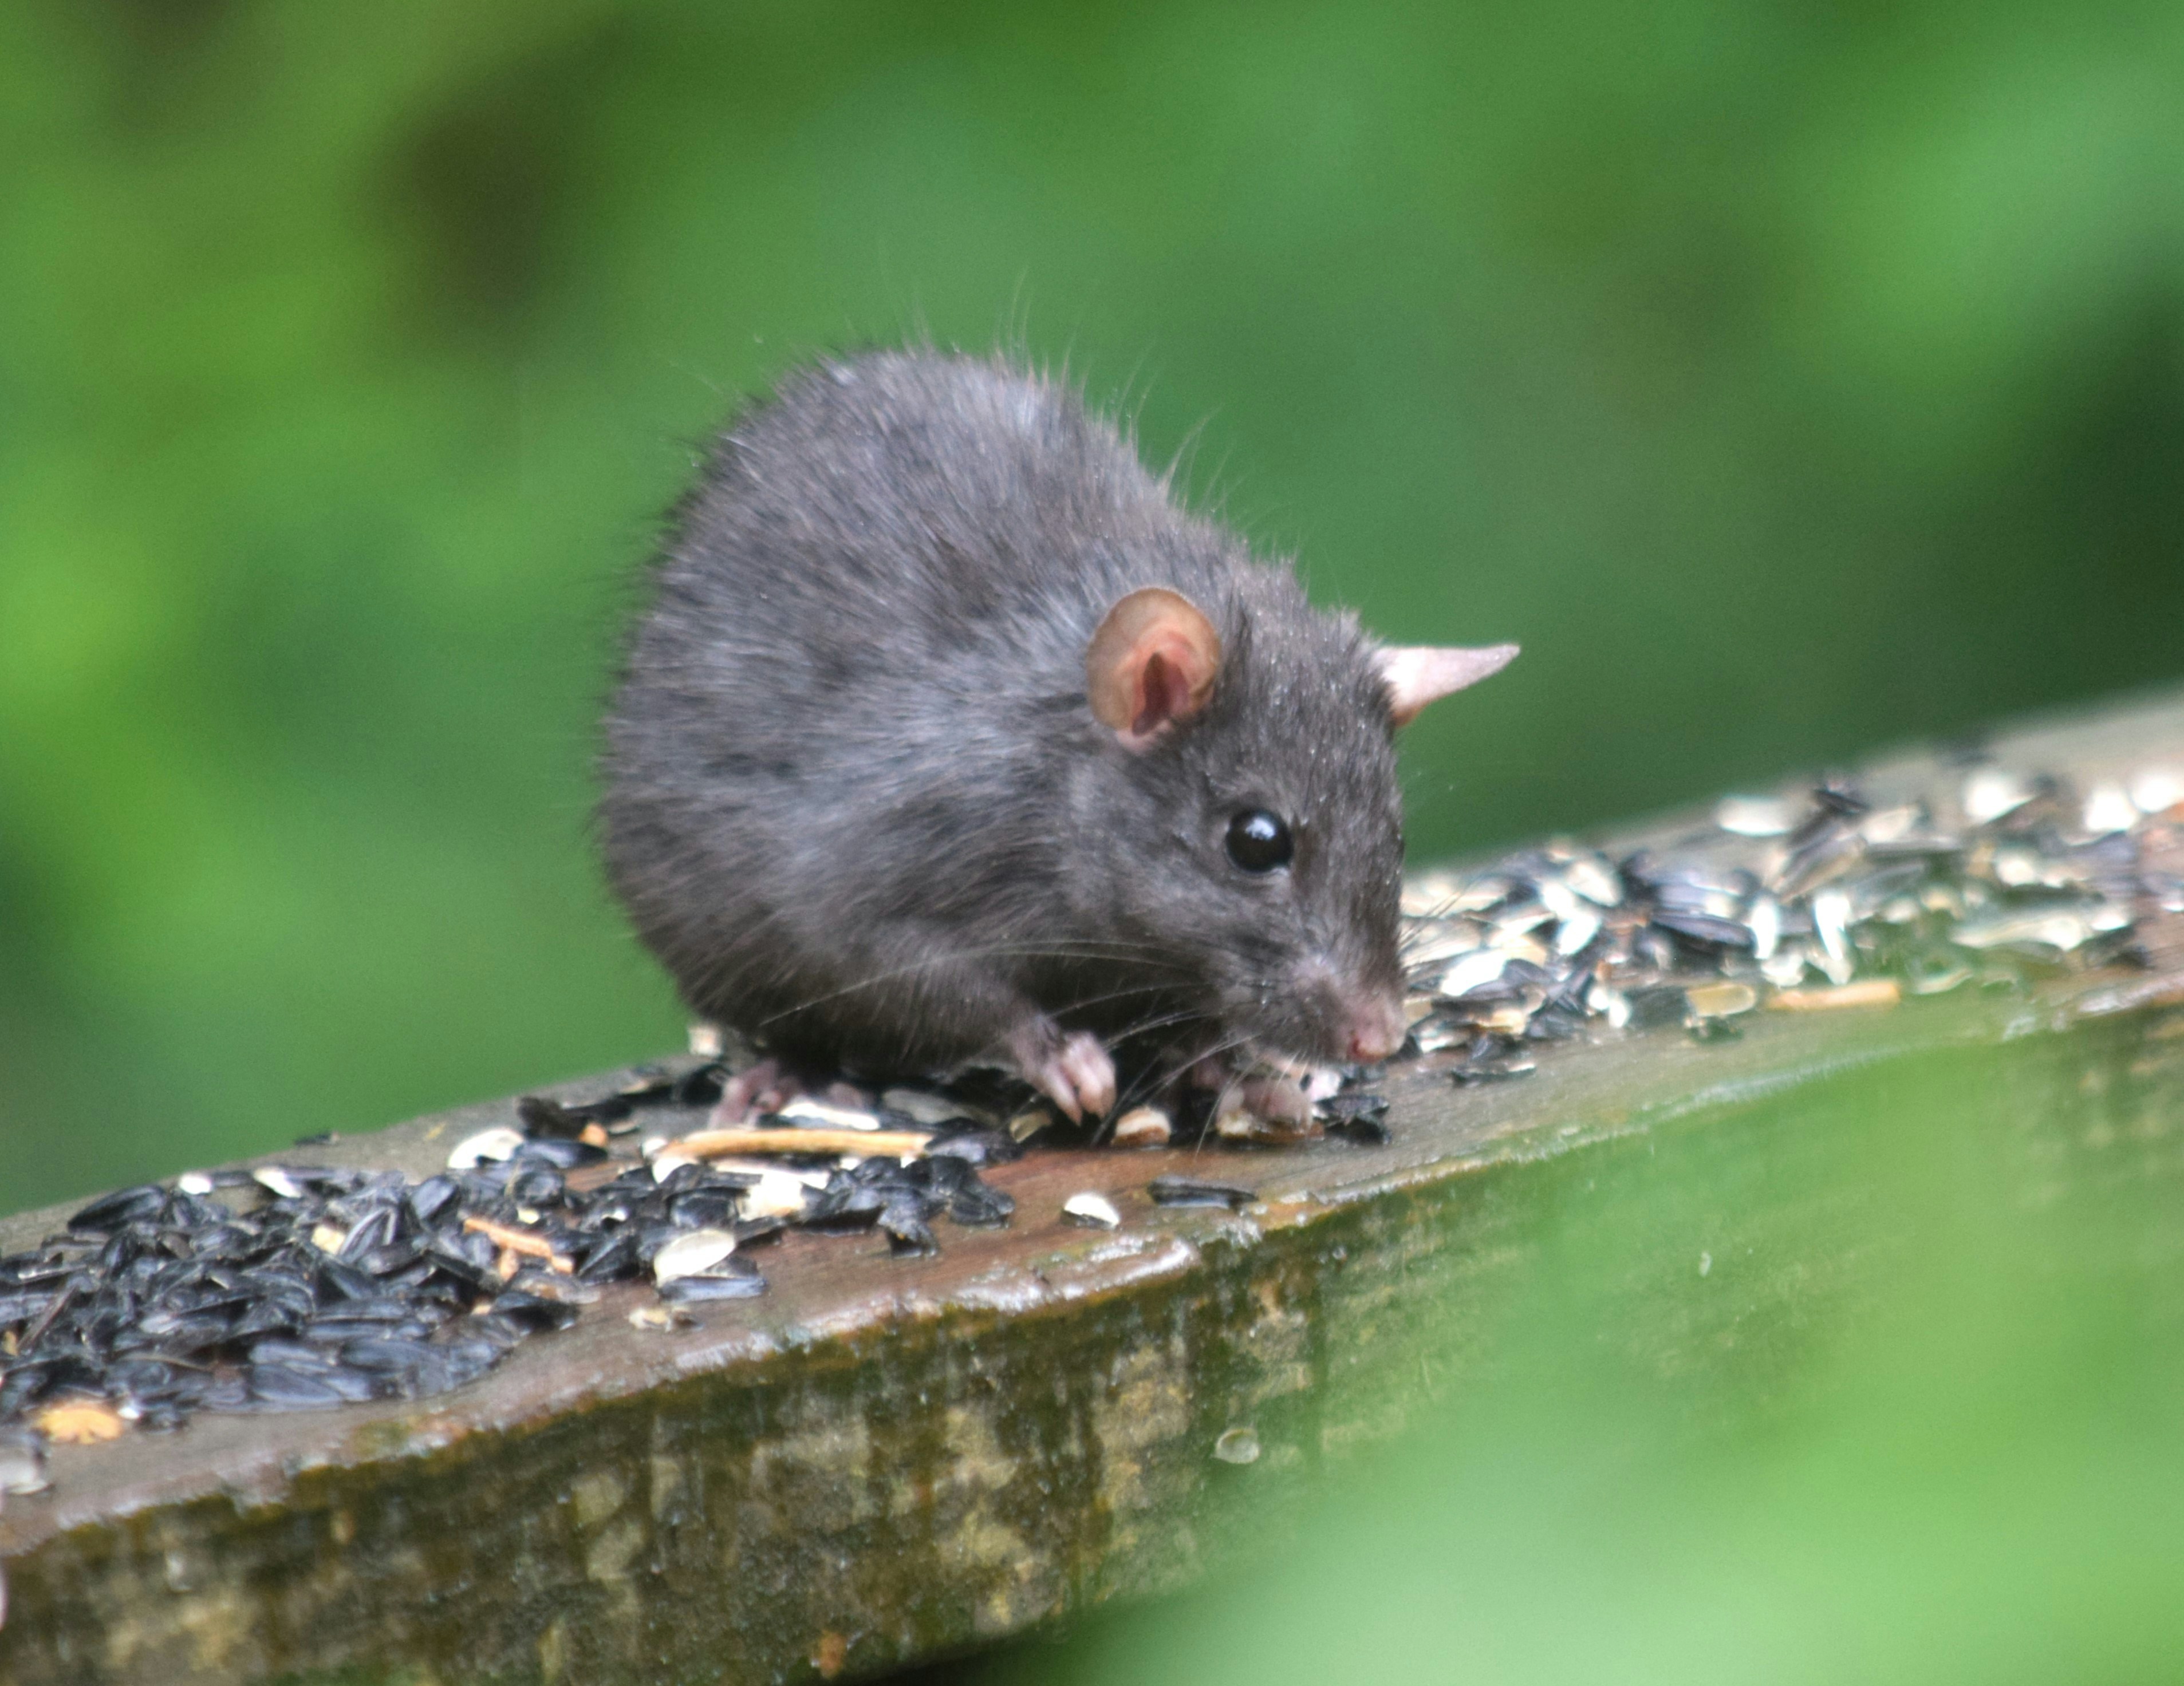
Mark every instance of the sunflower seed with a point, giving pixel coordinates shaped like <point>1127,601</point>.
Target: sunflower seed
<point>1755,816</point>
<point>1474,971</point>
<point>920,1106</point>
<point>1720,1001</point>
<point>1142,1127</point>
<point>1093,1211</point>
<point>1990,793</point>
<point>686,1255</point>
<point>486,1147</point>
<point>1028,1123</point>
<point>2156,791</point>
<point>818,1114</point>
<point>1190,1191</point>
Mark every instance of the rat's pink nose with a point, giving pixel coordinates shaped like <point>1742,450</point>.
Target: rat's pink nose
<point>1377,1031</point>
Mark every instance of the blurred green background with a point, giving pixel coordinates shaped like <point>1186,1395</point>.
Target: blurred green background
<point>1788,380</point>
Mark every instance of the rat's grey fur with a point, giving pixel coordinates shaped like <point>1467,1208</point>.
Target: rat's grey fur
<point>856,801</point>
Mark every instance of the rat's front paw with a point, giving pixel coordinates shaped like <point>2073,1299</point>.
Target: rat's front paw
<point>1074,1070</point>
<point>1279,1100</point>
<point>1271,1087</point>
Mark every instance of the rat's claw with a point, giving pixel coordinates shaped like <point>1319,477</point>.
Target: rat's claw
<point>1051,1081</point>
<point>1088,1067</point>
<point>1077,1077</point>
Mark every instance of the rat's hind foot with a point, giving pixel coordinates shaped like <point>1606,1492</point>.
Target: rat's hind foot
<point>1074,1071</point>
<point>763,1087</point>
<point>769,1085</point>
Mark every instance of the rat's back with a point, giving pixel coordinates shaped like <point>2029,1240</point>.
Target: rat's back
<point>899,520</point>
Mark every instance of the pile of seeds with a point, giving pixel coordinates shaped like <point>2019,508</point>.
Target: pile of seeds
<point>1825,900</point>
<point>296,1288</point>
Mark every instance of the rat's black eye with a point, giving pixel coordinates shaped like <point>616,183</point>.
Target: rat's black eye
<point>1258,842</point>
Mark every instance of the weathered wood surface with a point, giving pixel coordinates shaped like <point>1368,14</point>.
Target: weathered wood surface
<point>882,1459</point>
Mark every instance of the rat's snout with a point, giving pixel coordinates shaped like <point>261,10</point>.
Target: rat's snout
<point>1339,1016</point>
<point>1376,1027</point>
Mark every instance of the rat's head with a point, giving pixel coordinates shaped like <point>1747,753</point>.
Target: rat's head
<point>1249,748</point>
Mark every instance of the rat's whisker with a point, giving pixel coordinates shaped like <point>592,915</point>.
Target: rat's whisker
<point>895,974</point>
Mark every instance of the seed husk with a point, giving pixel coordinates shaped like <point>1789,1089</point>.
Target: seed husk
<point>1359,1116</point>
<point>775,1194</point>
<point>1191,1191</point>
<point>1755,817</point>
<point>1143,1127</point>
<point>818,1142</point>
<point>1238,1118</point>
<point>1093,1211</point>
<point>79,1423</point>
<point>805,1112</point>
<point>1878,992</point>
<point>691,1253</point>
<point>486,1147</point>
<point>522,1243</point>
<point>118,1209</point>
<point>922,1106</point>
<point>700,1290</point>
<point>1720,1001</point>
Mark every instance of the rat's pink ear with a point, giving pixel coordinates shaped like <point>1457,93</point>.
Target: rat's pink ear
<point>1151,663</point>
<point>1419,673</point>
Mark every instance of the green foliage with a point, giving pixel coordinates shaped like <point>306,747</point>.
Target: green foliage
<point>1785,379</point>
<point>1881,1381</point>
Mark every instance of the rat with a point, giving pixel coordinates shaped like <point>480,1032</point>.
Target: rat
<point>949,736</point>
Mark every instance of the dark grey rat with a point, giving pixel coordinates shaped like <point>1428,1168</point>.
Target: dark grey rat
<point>949,736</point>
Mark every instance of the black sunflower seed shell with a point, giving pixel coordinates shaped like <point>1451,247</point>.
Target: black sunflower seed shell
<point>700,1290</point>
<point>559,1153</point>
<point>283,1387</point>
<point>909,1236</point>
<point>1191,1191</point>
<point>534,1311</point>
<point>123,1206</point>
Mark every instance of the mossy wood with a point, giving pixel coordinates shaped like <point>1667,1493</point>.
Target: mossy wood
<point>884,1459</point>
